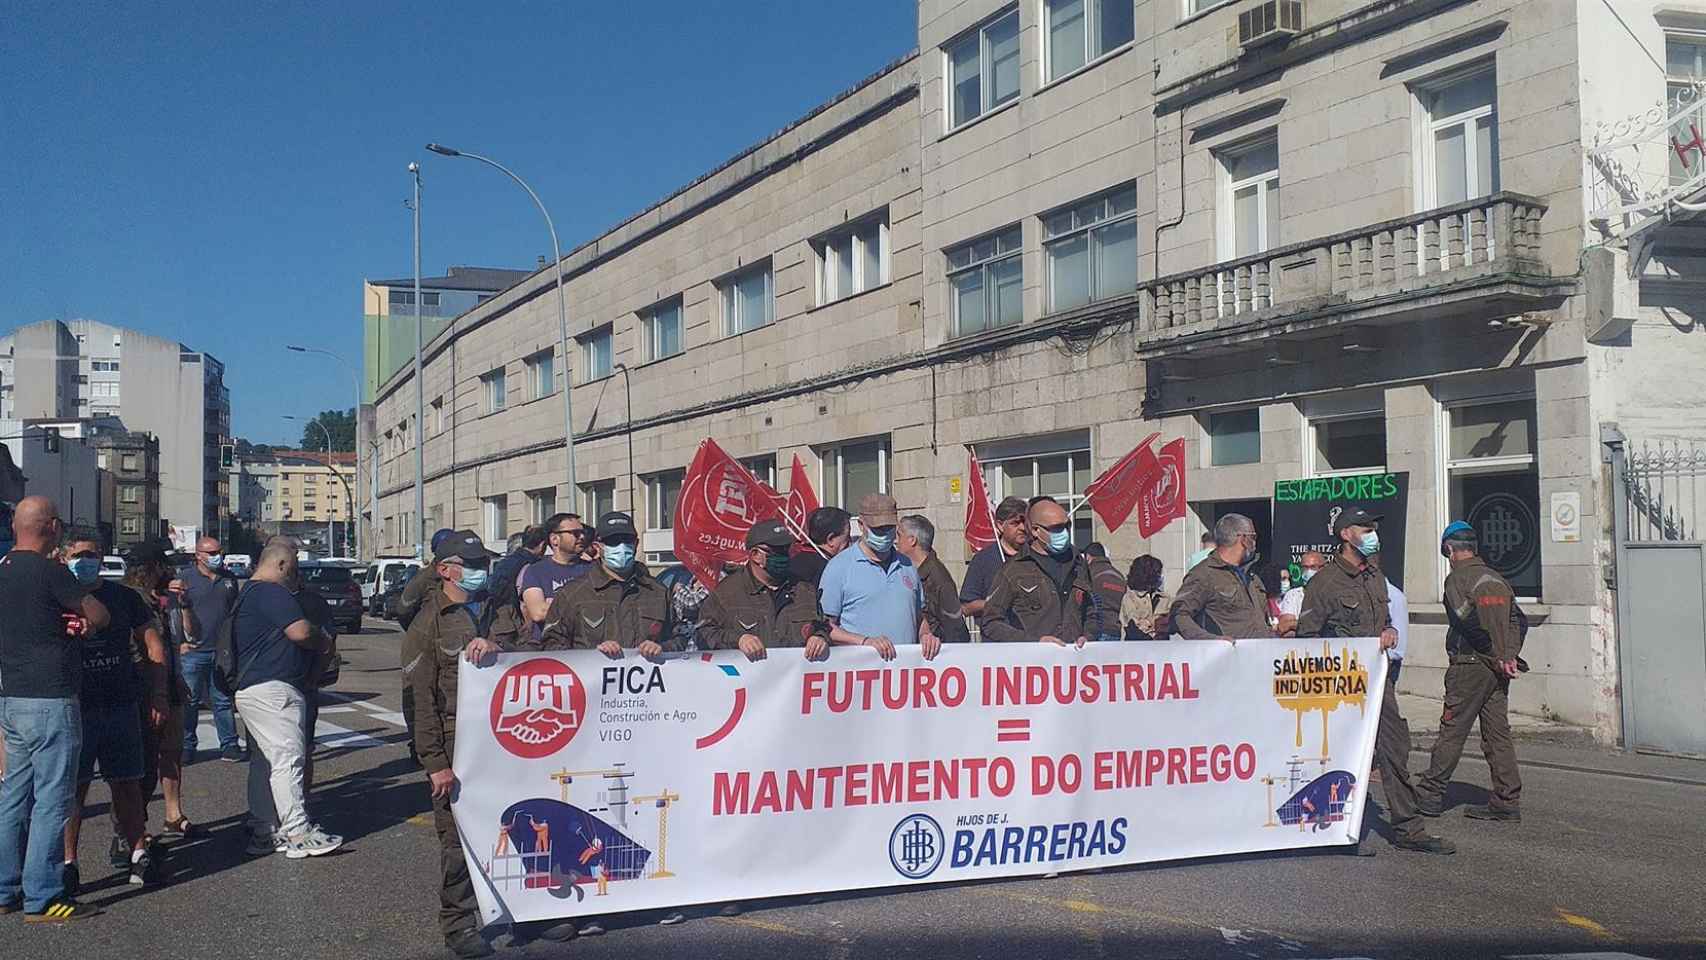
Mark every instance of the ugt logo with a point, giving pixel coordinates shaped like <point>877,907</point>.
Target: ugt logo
<point>916,847</point>
<point>537,708</point>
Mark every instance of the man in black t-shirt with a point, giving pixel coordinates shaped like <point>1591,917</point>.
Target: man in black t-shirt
<point>41,660</point>
<point>113,693</point>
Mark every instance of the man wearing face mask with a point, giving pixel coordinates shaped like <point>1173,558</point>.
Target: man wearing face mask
<point>1045,593</point>
<point>1311,563</point>
<point>618,606</point>
<point>1221,597</point>
<point>761,606</point>
<point>1348,599</point>
<point>871,593</point>
<point>209,593</point>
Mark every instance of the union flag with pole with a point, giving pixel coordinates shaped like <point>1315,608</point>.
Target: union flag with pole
<point>1151,483</point>
<point>980,515</point>
<point>720,501</point>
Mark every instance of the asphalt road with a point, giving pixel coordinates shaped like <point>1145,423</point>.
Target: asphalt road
<point>1608,864</point>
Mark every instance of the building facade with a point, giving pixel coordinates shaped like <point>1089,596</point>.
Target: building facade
<point>296,493</point>
<point>1365,242</point>
<point>130,462</point>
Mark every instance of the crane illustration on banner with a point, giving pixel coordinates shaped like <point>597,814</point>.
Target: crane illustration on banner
<point>1151,482</point>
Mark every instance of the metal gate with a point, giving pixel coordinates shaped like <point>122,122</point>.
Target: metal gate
<point>1660,503</point>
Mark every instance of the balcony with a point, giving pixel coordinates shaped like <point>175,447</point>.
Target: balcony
<point>1479,259</point>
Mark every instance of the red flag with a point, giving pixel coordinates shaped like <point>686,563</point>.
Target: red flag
<point>1162,498</point>
<point>802,499</point>
<point>1113,494</point>
<point>720,501</point>
<point>980,516</point>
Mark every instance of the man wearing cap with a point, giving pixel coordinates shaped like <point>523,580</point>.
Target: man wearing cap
<point>872,595</point>
<point>761,606</point>
<point>1348,599</point>
<point>1221,598</point>
<point>416,589</point>
<point>617,607</point>
<point>1044,594</point>
<point>449,623</point>
<point>1482,640</point>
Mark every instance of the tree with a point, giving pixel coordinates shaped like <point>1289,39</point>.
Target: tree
<point>340,424</point>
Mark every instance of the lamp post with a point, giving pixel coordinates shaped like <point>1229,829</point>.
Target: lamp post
<point>420,389</point>
<point>562,303</point>
<point>628,426</point>
<point>356,376</point>
<point>331,531</point>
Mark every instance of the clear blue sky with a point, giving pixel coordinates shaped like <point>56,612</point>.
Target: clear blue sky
<point>226,175</point>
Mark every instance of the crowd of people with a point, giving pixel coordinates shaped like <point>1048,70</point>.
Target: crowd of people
<point>568,586</point>
<point>96,675</point>
<point>105,677</point>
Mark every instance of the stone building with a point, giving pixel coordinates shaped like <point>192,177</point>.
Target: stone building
<point>1310,239</point>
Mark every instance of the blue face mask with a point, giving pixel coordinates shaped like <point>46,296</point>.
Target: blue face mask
<point>215,561</point>
<point>1370,543</point>
<point>880,542</point>
<point>85,569</point>
<point>1060,542</point>
<point>619,556</point>
<point>472,581</point>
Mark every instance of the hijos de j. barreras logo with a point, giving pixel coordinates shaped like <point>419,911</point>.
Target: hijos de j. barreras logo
<point>537,708</point>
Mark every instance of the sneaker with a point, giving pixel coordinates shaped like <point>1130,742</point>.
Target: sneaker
<point>63,910</point>
<point>72,879</point>
<point>729,910</point>
<point>592,928</point>
<point>263,844</point>
<point>1490,812</point>
<point>561,932</point>
<point>469,944</point>
<point>232,755</point>
<point>1426,844</point>
<point>118,852</point>
<point>315,843</point>
<point>141,867</point>
<point>672,918</point>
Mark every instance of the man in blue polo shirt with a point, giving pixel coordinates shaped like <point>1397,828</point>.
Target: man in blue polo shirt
<point>871,593</point>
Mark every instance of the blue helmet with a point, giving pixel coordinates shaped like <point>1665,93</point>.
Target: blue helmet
<point>1454,528</point>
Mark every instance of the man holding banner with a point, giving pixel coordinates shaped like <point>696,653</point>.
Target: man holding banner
<point>1044,593</point>
<point>762,606</point>
<point>872,595</point>
<point>1221,598</point>
<point>617,607</point>
<point>1348,599</point>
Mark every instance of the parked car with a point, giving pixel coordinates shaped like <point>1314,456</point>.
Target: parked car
<point>380,575</point>
<point>239,565</point>
<point>335,583</point>
<point>113,568</point>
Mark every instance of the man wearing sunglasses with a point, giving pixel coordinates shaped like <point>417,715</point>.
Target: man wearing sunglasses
<point>562,566</point>
<point>1045,593</point>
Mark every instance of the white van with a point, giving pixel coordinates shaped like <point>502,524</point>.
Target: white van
<point>113,568</point>
<point>381,574</point>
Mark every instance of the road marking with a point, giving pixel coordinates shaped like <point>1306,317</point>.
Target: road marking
<point>1575,956</point>
<point>326,734</point>
<point>338,708</point>
<point>1593,928</point>
<point>767,925</point>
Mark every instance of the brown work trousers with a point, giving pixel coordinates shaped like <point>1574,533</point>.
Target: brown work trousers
<point>458,911</point>
<point>1392,758</point>
<point>1474,691</point>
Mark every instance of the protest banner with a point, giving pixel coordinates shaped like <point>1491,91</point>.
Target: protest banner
<point>1304,511</point>
<point>591,786</point>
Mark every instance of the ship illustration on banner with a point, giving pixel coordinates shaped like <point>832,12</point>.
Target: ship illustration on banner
<point>555,845</point>
<point>1305,682</point>
<point>1315,805</point>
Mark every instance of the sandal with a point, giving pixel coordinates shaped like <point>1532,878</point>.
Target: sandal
<point>181,829</point>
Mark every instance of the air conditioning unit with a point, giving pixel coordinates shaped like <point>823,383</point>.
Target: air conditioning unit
<point>1270,22</point>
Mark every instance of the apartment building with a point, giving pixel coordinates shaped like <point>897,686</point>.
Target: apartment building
<point>295,493</point>
<point>1311,239</point>
<point>130,466</point>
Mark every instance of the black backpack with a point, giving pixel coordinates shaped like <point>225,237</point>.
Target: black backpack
<point>226,675</point>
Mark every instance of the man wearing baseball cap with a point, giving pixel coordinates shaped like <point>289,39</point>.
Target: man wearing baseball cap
<point>1348,599</point>
<point>615,608</point>
<point>416,589</point>
<point>762,606</point>
<point>871,593</point>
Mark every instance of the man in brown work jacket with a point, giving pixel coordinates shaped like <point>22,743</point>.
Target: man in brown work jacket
<point>615,608</point>
<point>1221,597</point>
<point>1348,599</point>
<point>761,606</point>
<point>1044,593</point>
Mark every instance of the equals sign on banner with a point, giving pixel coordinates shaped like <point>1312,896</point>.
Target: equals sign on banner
<point>1012,731</point>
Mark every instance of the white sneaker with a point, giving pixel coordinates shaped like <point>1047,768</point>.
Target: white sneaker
<point>315,843</point>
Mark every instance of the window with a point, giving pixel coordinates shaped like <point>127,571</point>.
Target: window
<point>130,493</point>
<point>763,467</point>
<point>595,355</point>
<point>1194,7</point>
<point>853,259</point>
<point>101,460</point>
<point>1460,155</point>
<point>1091,250</point>
<point>597,499</point>
<point>1079,31</point>
<point>1235,437</point>
<point>492,391</point>
<point>130,525</point>
<point>747,301</point>
<point>661,330</point>
<point>437,420</point>
<point>103,366</point>
<point>1348,444</point>
<point>127,462</point>
<point>1249,219</point>
<point>662,490</point>
<point>1492,482</point>
<point>1057,466</point>
<point>983,69</point>
<point>1685,65</point>
<point>851,470</point>
<point>541,504</point>
<point>494,514</point>
<point>406,298</point>
<point>541,379</point>
<point>986,277</point>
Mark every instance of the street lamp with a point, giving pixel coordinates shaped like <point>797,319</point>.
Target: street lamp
<point>628,426</point>
<point>420,389</point>
<point>562,302</point>
<point>331,531</point>
<point>356,376</point>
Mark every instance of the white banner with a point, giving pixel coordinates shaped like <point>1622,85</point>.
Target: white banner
<point>592,786</point>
